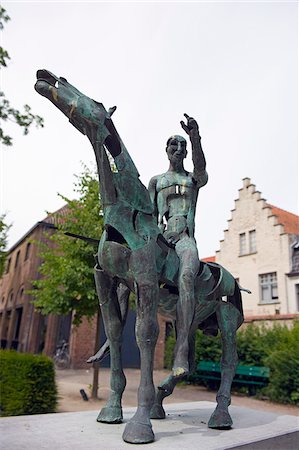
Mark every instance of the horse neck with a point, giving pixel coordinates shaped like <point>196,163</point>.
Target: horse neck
<point>107,189</point>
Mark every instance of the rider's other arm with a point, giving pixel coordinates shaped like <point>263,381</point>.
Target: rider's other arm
<point>198,157</point>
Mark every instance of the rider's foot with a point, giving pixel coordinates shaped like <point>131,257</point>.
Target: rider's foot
<point>101,354</point>
<point>181,363</point>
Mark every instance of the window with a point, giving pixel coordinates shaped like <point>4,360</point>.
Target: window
<point>252,241</point>
<point>10,299</point>
<point>27,251</point>
<point>8,265</point>
<point>268,288</point>
<point>297,295</point>
<point>295,257</point>
<point>18,319</point>
<point>247,243</point>
<point>17,259</point>
<point>242,242</point>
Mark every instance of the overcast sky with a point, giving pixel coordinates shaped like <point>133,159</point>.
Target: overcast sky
<point>231,65</point>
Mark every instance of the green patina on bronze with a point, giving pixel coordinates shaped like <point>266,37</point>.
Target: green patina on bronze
<point>137,252</point>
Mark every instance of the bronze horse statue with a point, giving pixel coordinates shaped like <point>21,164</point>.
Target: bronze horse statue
<point>134,256</point>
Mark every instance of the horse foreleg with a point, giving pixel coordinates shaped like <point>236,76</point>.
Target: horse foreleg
<point>107,292</point>
<point>123,293</point>
<point>228,320</point>
<point>139,430</point>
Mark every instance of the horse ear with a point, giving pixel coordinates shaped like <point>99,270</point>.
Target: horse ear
<point>111,110</point>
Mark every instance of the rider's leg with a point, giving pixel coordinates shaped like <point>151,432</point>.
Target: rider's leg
<point>189,265</point>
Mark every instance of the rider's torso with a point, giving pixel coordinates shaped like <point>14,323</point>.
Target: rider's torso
<point>176,201</point>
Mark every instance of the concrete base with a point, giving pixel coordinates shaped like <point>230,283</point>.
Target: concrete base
<point>185,427</point>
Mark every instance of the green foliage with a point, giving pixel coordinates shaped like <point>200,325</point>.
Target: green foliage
<point>283,362</point>
<point>276,347</point>
<point>3,53</point>
<point>3,243</point>
<point>24,119</point>
<point>251,342</point>
<point>67,281</point>
<point>169,350</point>
<point>207,348</point>
<point>27,384</point>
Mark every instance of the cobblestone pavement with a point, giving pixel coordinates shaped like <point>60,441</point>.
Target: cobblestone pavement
<point>71,381</point>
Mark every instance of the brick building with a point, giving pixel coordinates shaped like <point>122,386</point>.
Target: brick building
<point>21,327</point>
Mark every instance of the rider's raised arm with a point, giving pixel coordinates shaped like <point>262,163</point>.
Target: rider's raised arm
<point>153,195</point>
<point>198,157</point>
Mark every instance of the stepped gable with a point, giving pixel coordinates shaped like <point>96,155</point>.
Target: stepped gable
<point>287,222</point>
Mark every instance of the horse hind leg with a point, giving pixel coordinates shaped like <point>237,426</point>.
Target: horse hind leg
<point>166,388</point>
<point>107,293</point>
<point>229,321</point>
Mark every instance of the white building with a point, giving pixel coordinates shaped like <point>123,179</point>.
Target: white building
<point>261,249</point>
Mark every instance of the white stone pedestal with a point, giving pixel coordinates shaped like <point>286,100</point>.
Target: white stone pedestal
<point>185,428</point>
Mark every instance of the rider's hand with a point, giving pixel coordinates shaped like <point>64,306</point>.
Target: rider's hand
<point>190,126</point>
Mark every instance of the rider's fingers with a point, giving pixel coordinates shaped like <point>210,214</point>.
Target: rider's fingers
<point>184,126</point>
<point>186,115</point>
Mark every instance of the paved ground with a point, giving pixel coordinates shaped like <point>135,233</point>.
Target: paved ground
<point>71,381</point>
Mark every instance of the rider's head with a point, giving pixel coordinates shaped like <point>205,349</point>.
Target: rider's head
<point>176,148</point>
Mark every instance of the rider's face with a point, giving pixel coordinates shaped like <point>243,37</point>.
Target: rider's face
<point>176,150</point>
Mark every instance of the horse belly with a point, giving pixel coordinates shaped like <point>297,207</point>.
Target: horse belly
<point>114,259</point>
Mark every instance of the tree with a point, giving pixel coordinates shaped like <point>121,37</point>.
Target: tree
<point>67,282</point>
<point>3,243</point>
<point>24,119</point>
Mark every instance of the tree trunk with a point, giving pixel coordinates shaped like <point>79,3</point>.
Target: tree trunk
<point>96,366</point>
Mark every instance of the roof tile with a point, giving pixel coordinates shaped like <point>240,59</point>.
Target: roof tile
<point>289,220</point>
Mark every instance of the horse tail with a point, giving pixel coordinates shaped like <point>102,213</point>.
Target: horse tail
<point>236,301</point>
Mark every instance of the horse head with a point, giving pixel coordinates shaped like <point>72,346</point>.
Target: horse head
<point>85,114</point>
<point>93,120</point>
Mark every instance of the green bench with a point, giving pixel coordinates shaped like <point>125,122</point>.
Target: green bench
<point>251,376</point>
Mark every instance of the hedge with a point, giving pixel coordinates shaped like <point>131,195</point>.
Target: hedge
<point>27,384</point>
<point>276,347</point>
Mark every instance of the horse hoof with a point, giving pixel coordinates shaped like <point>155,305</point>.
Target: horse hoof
<point>138,433</point>
<point>157,412</point>
<point>110,414</point>
<point>220,419</point>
